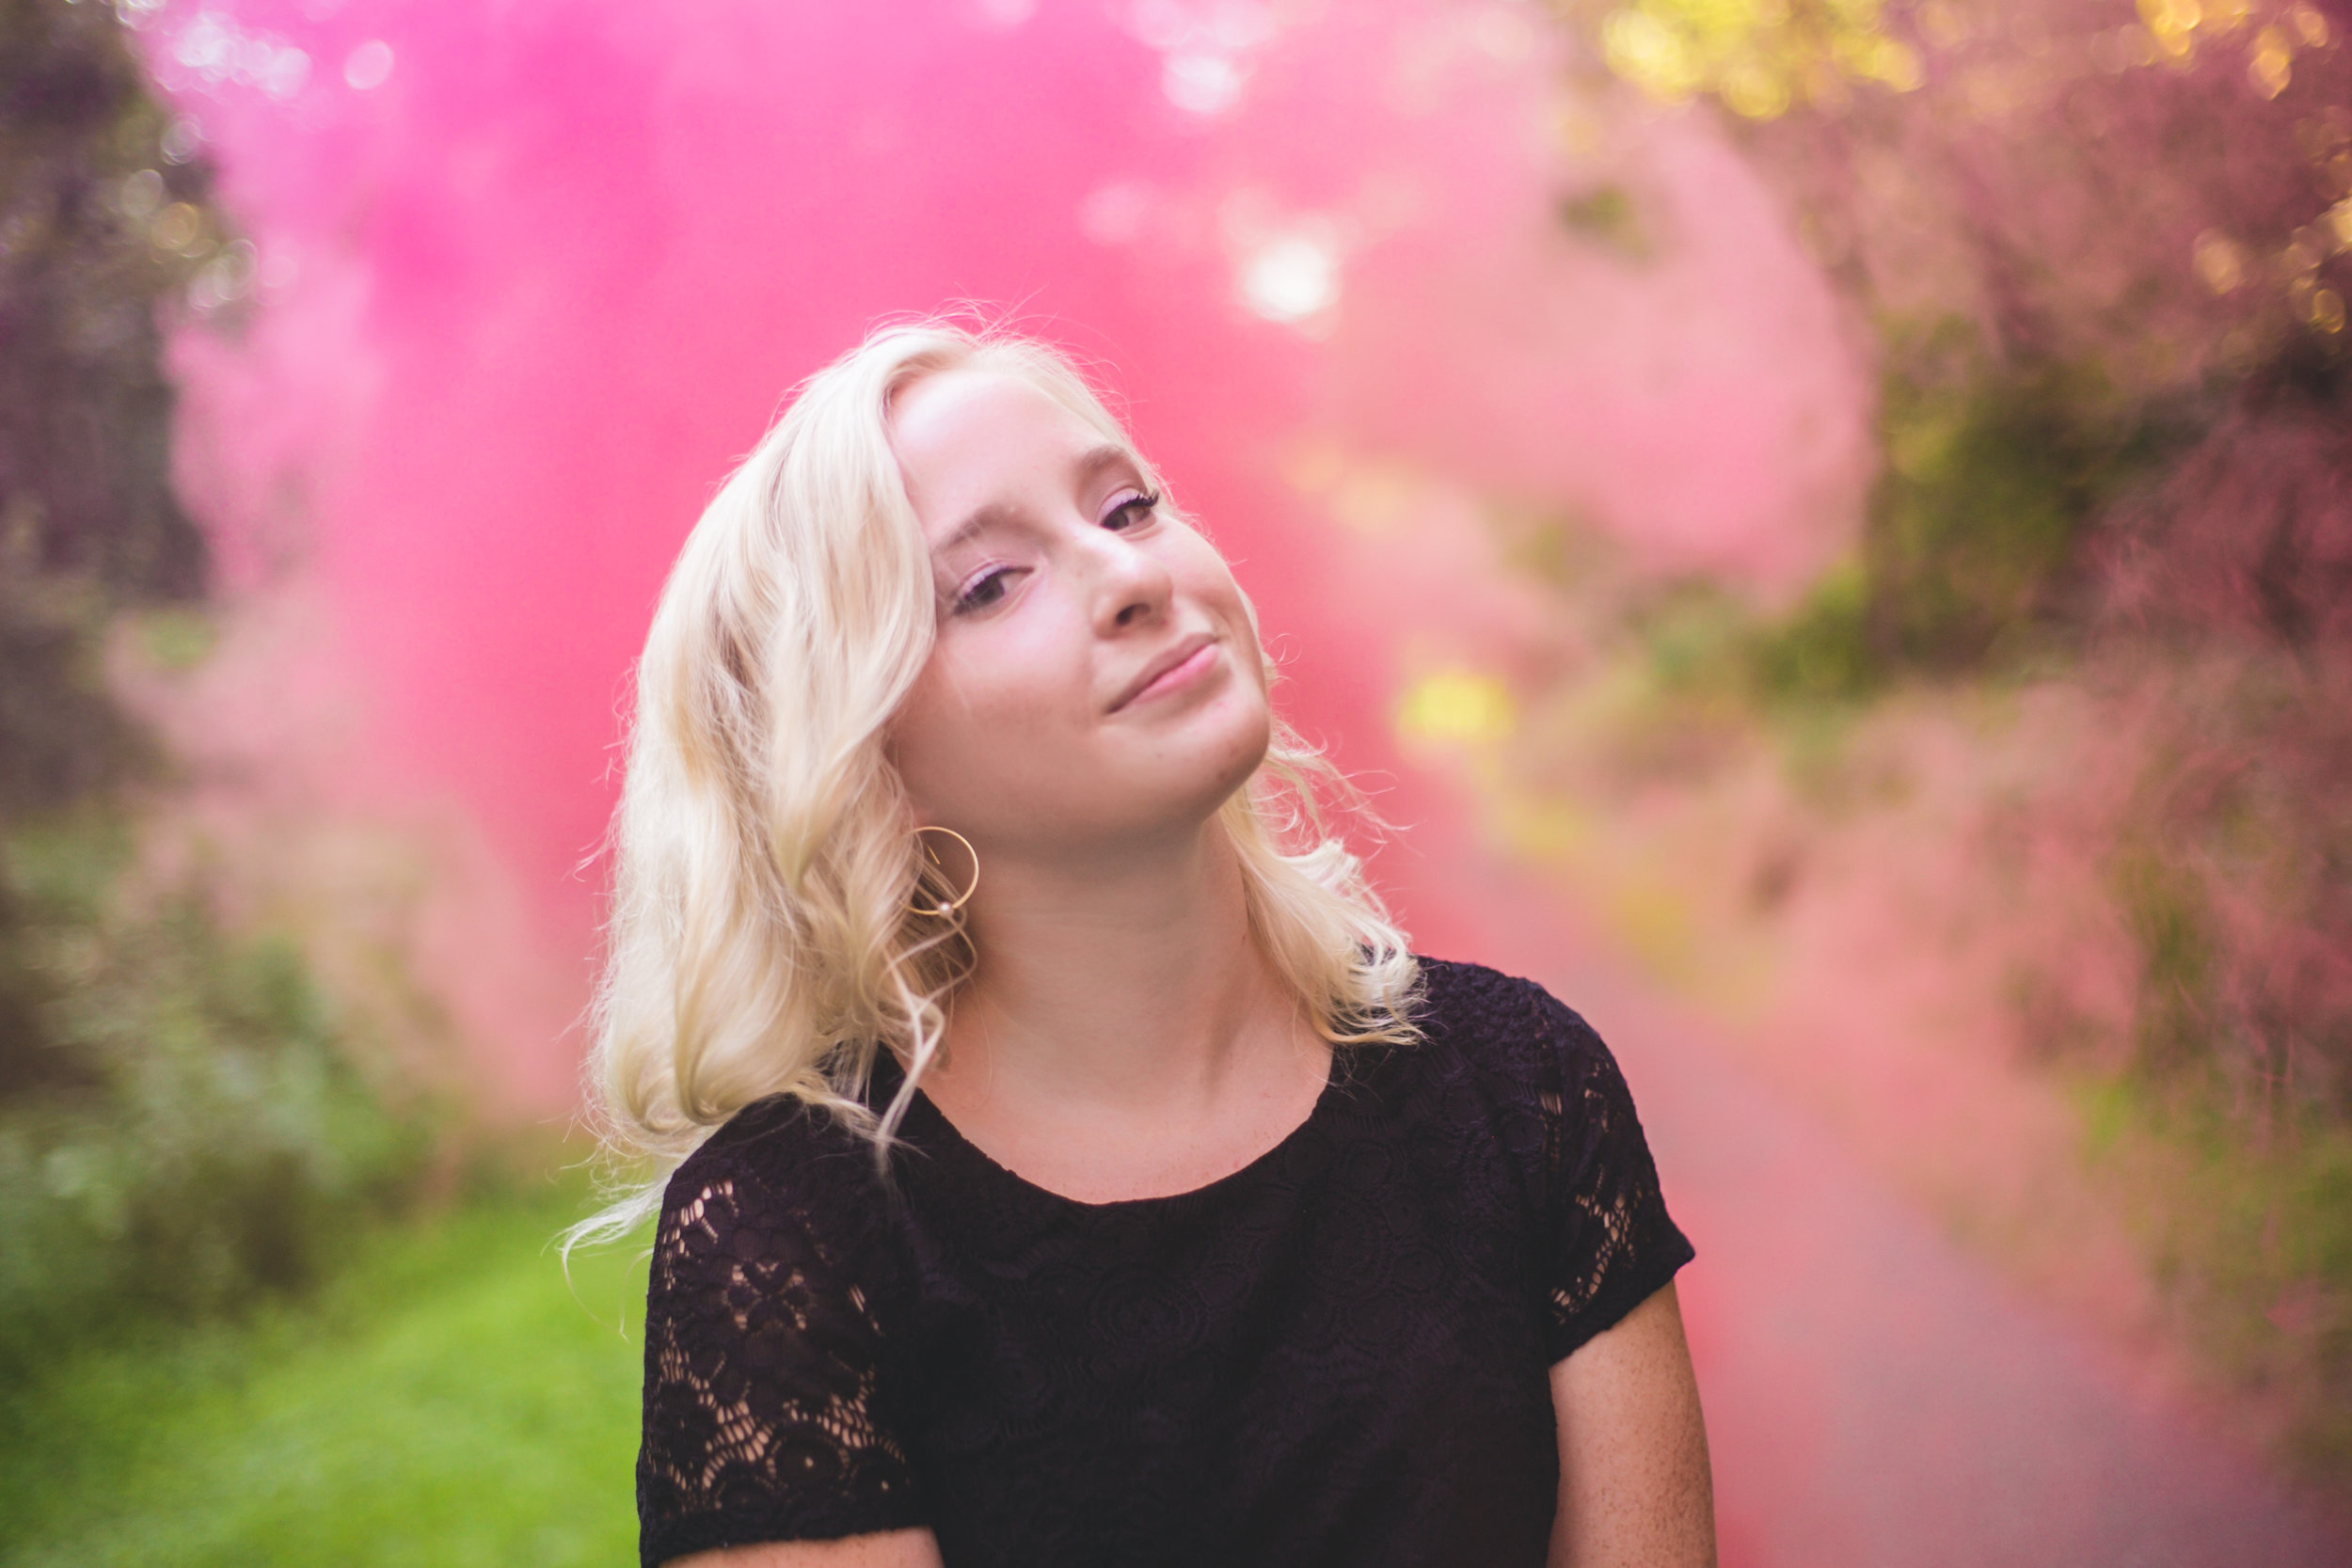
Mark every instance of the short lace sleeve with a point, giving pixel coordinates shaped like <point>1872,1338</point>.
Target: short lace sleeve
<point>768,1393</point>
<point>1612,1243</point>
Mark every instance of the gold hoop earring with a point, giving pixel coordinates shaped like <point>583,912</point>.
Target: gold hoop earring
<point>944,908</point>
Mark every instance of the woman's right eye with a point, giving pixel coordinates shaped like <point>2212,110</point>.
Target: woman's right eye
<point>983,590</point>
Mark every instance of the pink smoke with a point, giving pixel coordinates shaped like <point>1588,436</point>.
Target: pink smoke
<point>535,280</point>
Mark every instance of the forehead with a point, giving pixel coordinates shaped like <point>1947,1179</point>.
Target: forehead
<point>972,429</point>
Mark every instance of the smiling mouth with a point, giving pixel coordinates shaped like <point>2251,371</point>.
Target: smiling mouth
<point>1184,664</point>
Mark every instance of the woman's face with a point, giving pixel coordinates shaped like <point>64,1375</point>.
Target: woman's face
<point>1095,682</point>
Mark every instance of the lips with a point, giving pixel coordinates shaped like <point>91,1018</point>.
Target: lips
<point>1182,649</point>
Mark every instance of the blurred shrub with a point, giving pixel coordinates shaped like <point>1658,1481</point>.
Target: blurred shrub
<point>1989,487</point>
<point>184,1123</point>
<point>105,216</point>
<point>2101,252</point>
<point>2251,1240</point>
<point>209,1136</point>
<point>1979,549</point>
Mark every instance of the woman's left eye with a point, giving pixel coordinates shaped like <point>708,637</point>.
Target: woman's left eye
<point>1132,512</point>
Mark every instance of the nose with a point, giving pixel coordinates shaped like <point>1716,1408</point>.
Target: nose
<point>1132,586</point>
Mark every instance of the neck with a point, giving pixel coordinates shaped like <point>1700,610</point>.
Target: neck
<point>1125,981</point>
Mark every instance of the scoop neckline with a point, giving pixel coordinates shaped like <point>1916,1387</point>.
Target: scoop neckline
<point>972,1153</point>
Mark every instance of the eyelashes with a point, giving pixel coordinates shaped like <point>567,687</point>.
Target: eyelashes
<point>990,584</point>
<point>1142,503</point>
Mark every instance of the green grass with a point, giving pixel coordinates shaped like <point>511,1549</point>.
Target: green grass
<point>446,1399</point>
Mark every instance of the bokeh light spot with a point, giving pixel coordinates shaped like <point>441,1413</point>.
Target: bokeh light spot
<point>2219,264</point>
<point>1754,92</point>
<point>1651,54</point>
<point>1292,278</point>
<point>141,195</point>
<point>2226,16</point>
<point>181,139</point>
<point>216,51</point>
<point>2339,220</point>
<point>2173,23</point>
<point>1203,84</point>
<point>2272,65</point>
<point>228,278</point>
<point>369,66</point>
<point>176,227</point>
<point>1455,707</point>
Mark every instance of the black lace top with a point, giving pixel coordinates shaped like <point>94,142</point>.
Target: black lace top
<point>1336,1355</point>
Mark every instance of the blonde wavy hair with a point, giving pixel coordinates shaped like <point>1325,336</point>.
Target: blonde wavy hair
<point>759,939</point>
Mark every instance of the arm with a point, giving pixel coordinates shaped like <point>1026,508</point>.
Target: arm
<point>1635,1489</point>
<point>898,1548</point>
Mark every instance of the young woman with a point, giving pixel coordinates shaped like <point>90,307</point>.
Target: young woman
<point>1062,1159</point>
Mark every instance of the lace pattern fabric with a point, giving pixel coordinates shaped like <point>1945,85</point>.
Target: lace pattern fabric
<point>1611,1230</point>
<point>763,1414</point>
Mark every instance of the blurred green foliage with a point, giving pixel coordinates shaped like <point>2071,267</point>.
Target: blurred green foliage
<point>1971,557</point>
<point>1972,561</point>
<point>105,215</point>
<point>2169,914</point>
<point>186,1126</point>
<point>2101,255</point>
<point>2251,1240</point>
<point>204,1135</point>
<point>2224,1112</point>
<point>1989,487</point>
<point>1759,57</point>
<point>1607,216</point>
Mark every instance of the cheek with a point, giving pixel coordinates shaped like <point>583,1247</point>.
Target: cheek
<point>1216,592</point>
<point>982,720</point>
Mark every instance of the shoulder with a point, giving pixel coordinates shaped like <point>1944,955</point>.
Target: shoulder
<point>1500,1051</point>
<point>1563,1115</point>
<point>780,1166</point>
<point>779,1136</point>
<point>1500,1027</point>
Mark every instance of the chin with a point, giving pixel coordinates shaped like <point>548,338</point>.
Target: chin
<point>1239,760</point>
<point>1186,785</point>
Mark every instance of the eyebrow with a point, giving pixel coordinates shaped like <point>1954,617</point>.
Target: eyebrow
<point>1090,463</point>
